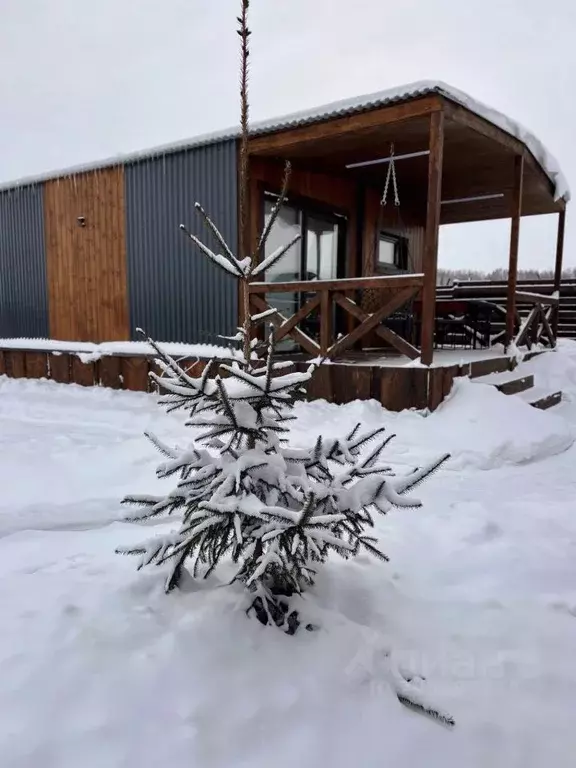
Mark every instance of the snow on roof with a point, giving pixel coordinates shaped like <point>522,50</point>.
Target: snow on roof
<point>339,109</point>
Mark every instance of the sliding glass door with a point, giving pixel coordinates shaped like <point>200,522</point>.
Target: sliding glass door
<point>318,255</point>
<point>288,224</point>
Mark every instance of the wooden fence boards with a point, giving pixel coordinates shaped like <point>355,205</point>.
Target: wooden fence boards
<point>396,388</point>
<point>36,365</point>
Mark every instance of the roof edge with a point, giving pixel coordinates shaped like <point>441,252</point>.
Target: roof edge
<point>329,111</point>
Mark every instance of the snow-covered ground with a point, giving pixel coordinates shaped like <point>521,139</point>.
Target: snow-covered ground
<point>99,669</point>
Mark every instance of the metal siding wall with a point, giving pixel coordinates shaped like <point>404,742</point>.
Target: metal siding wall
<point>23,291</point>
<point>175,293</point>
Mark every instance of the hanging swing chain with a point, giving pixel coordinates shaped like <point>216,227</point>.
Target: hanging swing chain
<point>391,174</point>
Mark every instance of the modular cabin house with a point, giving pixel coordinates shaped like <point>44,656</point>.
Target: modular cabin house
<point>93,253</point>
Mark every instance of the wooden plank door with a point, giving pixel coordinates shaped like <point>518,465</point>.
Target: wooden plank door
<point>86,256</point>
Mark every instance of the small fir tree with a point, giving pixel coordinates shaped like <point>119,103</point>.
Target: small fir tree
<point>242,492</point>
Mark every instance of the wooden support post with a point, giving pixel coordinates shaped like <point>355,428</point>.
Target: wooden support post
<point>514,240</point>
<point>558,269</point>
<point>436,145</point>
<point>325,322</point>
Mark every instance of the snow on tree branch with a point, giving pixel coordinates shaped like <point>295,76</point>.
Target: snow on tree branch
<point>244,494</point>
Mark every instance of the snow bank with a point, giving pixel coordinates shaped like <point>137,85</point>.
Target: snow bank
<point>480,427</point>
<point>477,606</point>
<point>556,370</point>
<point>69,453</point>
<point>485,429</point>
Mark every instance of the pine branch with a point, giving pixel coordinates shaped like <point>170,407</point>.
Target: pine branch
<point>435,714</point>
<point>176,570</point>
<point>275,210</point>
<point>419,475</point>
<point>218,235</point>
<point>216,258</point>
<point>274,257</point>
<point>164,449</point>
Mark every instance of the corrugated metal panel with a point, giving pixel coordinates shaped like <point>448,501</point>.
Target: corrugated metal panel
<point>175,293</point>
<point>23,294</point>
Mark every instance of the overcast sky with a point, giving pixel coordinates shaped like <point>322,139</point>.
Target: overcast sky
<point>83,80</point>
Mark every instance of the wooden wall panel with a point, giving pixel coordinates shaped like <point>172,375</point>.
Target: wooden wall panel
<point>408,222</point>
<point>86,266</point>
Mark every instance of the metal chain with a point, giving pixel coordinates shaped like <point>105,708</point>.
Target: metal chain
<point>394,183</point>
<point>391,174</point>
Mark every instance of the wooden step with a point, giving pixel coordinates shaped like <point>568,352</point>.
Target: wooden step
<point>490,365</point>
<point>507,382</point>
<point>541,398</point>
<point>547,401</point>
<point>519,384</point>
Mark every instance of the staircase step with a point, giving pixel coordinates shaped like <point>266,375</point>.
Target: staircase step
<point>507,382</point>
<point>491,365</point>
<point>519,384</point>
<point>534,353</point>
<point>541,399</point>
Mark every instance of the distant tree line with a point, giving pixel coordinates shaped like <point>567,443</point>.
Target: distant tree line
<point>448,276</point>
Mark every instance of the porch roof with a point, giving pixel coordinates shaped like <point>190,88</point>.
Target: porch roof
<point>479,149</point>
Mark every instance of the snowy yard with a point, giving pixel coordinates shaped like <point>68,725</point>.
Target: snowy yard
<point>99,668</point>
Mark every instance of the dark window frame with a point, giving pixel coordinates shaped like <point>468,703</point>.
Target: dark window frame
<point>400,263</point>
<point>309,207</point>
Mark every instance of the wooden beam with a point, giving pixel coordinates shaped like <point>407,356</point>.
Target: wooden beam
<point>278,320</point>
<point>526,327</point>
<point>383,282</point>
<point>292,322</point>
<point>559,250</point>
<point>531,298</point>
<point>435,161</point>
<point>325,129</point>
<point>371,321</point>
<point>396,341</point>
<point>325,322</point>
<point>514,241</point>
<point>399,343</point>
<point>558,267</point>
<point>547,330</point>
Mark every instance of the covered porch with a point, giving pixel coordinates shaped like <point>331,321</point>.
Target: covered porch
<point>370,186</point>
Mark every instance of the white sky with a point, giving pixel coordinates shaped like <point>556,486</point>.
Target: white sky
<point>83,80</point>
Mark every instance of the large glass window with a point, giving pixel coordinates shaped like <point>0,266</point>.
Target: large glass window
<point>316,256</point>
<point>321,248</point>
<point>288,224</point>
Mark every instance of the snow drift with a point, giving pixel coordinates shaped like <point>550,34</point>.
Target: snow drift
<point>477,606</point>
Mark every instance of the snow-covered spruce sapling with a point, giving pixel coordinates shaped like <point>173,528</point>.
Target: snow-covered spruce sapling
<point>243,493</point>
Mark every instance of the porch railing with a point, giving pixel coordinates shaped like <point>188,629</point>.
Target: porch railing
<point>326,295</point>
<point>537,327</point>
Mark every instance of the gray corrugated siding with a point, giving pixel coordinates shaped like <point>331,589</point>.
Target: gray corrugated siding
<point>175,293</point>
<point>23,289</point>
